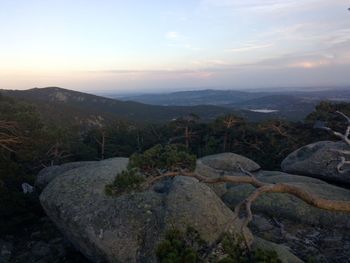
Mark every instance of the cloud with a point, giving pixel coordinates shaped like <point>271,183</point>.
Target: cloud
<point>172,35</point>
<point>272,9</point>
<point>146,71</point>
<point>249,47</point>
<point>177,40</point>
<point>324,33</point>
<point>237,4</point>
<point>262,6</point>
<point>270,5</point>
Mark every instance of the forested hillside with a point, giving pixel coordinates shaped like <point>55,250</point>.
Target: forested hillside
<point>77,107</point>
<point>57,104</point>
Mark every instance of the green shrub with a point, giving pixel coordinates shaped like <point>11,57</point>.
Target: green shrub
<point>188,247</point>
<point>311,259</point>
<point>181,247</point>
<point>238,254</point>
<point>149,163</point>
<point>126,181</point>
<point>163,158</point>
<point>232,247</point>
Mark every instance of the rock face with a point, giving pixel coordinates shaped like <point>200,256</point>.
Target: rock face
<point>287,206</point>
<point>229,162</point>
<point>49,173</point>
<point>311,243</point>
<point>129,227</point>
<point>224,164</point>
<point>317,160</point>
<point>283,252</point>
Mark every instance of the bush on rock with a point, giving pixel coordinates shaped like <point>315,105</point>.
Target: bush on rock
<point>152,162</point>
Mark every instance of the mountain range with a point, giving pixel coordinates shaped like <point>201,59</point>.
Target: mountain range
<point>65,105</point>
<point>71,106</point>
<point>232,97</point>
<point>291,105</point>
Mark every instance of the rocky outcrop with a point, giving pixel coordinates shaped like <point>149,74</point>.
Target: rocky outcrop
<point>318,160</point>
<point>217,165</point>
<point>49,173</point>
<point>287,206</point>
<point>128,228</point>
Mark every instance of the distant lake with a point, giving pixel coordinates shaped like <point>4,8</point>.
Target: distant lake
<point>263,110</point>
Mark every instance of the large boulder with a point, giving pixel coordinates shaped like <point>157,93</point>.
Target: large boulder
<point>319,160</point>
<point>217,165</point>
<point>283,252</point>
<point>280,205</point>
<point>49,173</point>
<point>128,228</point>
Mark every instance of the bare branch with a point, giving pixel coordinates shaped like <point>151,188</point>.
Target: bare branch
<point>338,134</point>
<point>8,135</point>
<point>344,137</point>
<point>340,151</point>
<point>245,171</point>
<point>341,164</point>
<point>311,199</point>
<point>344,115</point>
<point>347,132</point>
<point>277,128</point>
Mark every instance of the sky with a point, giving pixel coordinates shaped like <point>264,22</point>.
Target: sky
<point>159,45</point>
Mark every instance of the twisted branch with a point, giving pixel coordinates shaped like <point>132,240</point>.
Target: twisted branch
<point>340,166</point>
<point>261,188</point>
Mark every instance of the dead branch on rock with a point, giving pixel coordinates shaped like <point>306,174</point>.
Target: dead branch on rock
<point>280,226</point>
<point>340,166</point>
<point>345,138</point>
<point>261,188</point>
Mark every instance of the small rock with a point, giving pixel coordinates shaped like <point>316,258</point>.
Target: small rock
<point>41,249</point>
<point>35,234</point>
<point>56,240</point>
<point>228,164</point>
<point>261,223</point>
<point>6,249</point>
<point>27,188</point>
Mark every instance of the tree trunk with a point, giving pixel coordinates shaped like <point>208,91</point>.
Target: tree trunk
<point>103,141</point>
<point>225,141</point>
<point>187,139</point>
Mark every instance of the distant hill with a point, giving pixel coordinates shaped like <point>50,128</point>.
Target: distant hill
<point>67,105</point>
<point>62,105</point>
<point>291,105</point>
<point>200,97</point>
<point>284,106</point>
<point>229,97</point>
